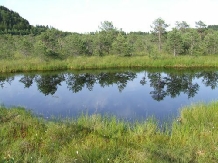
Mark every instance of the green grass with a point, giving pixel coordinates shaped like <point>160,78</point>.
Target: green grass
<point>111,61</point>
<point>191,138</point>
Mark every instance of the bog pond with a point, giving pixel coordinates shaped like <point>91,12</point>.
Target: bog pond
<point>130,94</point>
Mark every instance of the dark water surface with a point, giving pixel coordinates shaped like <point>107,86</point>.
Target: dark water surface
<point>128,94</point>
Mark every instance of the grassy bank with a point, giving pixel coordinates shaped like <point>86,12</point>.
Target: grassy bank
<point>191,138</point>
<point>94,62</point>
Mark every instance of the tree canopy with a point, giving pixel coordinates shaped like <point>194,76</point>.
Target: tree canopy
<point>20,39</point>
<point>10,20</point>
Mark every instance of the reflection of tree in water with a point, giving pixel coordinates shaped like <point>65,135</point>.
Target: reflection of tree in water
<point>5,79</point>
<point>210,79</point>
<point>48,84</point>
<point>158,83</point>
<point>120,79</point>
<point>76,83</point>
<point>172,85</point>
<point>181,83</point>
<point>188,86</point>
<point>143,80</point>
<point>27,80</point>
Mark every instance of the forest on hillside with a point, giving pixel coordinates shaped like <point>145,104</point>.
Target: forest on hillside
<point>19,39</point>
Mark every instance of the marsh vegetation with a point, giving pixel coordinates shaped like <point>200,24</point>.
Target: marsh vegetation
<point>191,138</point>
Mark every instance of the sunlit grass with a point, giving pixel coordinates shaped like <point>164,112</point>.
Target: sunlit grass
<point>111,61</point>
<point>193,137</point>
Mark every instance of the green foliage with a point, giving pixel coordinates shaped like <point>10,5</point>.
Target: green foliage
<point>174,40</point>
<point>200,24</point>
<point>73,45</point>
<point>214,27</point>
<point>121,47</point>
<point>24,45</point>
<point>11,22</point>
<point>139,42</point>
<point>7,47</point>
<point>104,38</point>
<point>211,42</point>
<point>182,26</point>
<point>159,27</point>
<point>88,44</point>
<point>38,29</point>
<point>48,43</point>
<point>107,26</point>
<point>191,41</point>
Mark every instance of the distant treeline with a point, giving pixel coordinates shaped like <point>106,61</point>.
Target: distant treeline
<point>12,23</point>
<point>214,27</point>
<point>18,39</point>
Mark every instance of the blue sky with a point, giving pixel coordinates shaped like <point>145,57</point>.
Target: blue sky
<point>130,15</point>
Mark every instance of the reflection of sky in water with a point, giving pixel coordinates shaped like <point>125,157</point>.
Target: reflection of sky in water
<point>133,102</point>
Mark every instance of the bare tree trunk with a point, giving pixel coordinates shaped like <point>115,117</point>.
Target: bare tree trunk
<point>159,36</point>
<point>192,45</point>
<point>191,49</point>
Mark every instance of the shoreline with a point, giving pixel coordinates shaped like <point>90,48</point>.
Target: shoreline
<point>106,62</point>
<point>191,137</point>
